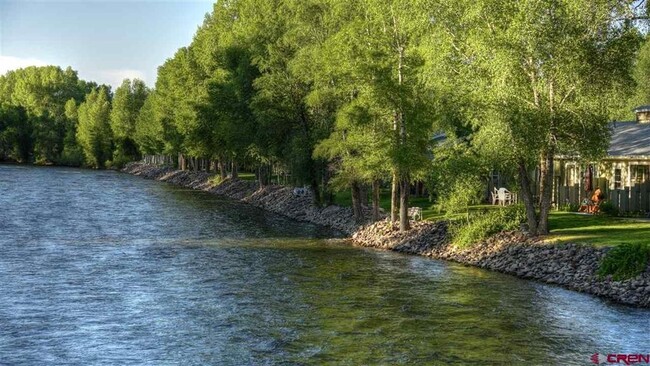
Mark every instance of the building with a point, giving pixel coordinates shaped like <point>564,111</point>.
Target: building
<point>624,174</point>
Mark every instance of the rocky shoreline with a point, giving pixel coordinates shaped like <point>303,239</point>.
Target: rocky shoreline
<point>274,198</point>
<point>572,266</point>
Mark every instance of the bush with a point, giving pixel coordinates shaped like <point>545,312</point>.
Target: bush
<point>570,207</point>
<point>481,226</point>
<point>625,261</point>
<point>609,209</point>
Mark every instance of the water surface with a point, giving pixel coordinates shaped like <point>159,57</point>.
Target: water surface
<point>100,268</point>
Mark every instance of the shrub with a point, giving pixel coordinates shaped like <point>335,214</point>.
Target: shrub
<point>485,224</point>
<point>570,207</point>
<point>625,261</point>
<point>609,209</point>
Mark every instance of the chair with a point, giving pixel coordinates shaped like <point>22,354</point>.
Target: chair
<point>505,197</point>
<point>494,195</point>
<point>415,213</point>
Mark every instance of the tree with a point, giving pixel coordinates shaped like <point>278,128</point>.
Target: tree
<point>127,102</point>
<point>377,69</point>
<point>72,153</point>
<point>94,131</point>
<point>641,75</point>
<point>15,133</point>
<point>542,73</point>
<point>42,93</point>
<point>149,131</point>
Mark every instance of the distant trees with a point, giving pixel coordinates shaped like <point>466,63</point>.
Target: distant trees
<point>41,109</point>
<point>42,92</point>
<point>15,133</point>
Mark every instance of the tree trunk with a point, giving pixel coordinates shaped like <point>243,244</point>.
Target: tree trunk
<point>222,169</point>
<point>527,197</point>
<point>394,200</point>
<point>356,203</point>
<point>328,195</point>
<point>314,183</point>
<point>364,195</point>
<point>546,192</point>
<point>235,172</point>
<point>404,205</point>
<point>375,200</point>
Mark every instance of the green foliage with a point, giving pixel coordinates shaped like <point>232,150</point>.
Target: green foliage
<point>544,78</point>
<point>149,128</point>
<point>458,176</point>
<point>481,225</point>
<point>609,209</point>
<point>15,133</point>
<point>625,261</point>
<point>94,132</point>
<point>42,132</point>
<point>127,102</point>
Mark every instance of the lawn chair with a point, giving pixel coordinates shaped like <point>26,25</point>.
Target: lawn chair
<point>415,213</point>
<point>494,195</point>
<point>505,197</point>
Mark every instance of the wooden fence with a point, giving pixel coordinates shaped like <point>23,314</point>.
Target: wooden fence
<point>627,199</point>
<point>631,199</point>
<point>160,160</point>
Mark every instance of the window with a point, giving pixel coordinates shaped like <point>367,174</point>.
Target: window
<point>617,179</point>
<point>495,178</point>
<point>639,174</point>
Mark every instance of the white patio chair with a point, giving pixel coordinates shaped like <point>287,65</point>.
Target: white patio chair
<point>505,197</point>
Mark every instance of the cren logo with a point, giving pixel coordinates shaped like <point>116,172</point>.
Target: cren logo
<point>597,359</point>
<point>617,358</point>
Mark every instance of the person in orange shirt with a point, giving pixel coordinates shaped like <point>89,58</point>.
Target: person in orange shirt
<point>595,200</point>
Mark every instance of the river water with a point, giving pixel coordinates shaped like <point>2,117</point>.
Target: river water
<point>103,268</point>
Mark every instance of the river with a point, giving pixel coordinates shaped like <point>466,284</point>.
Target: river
<point>103,268</point>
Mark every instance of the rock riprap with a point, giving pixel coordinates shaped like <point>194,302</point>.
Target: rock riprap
<point>278,199</point>
<point>572,266</point>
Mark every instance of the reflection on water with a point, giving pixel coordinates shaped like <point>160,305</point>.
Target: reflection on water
<point>104,268</point>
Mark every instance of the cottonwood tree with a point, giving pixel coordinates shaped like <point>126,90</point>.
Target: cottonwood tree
<point>542,72</point>
<point>379,76</point>
<point>149,133</point>
<point>94,132</point>
<point>43,92</point>
<point>127,102</point>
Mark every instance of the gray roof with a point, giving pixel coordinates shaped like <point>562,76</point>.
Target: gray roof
<point>642,108</point>
<point>629,139</point>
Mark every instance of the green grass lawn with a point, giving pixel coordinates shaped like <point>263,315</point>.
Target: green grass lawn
<point>429,211</point>
<point>598,230</point>
<point>246,176</point>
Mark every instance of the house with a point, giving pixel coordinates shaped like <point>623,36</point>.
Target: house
<point>624,174</point>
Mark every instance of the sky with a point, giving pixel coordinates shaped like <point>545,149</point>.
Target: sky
<point>104,40</point>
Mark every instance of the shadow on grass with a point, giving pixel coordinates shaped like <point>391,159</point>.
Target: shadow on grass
<point>597,229</point>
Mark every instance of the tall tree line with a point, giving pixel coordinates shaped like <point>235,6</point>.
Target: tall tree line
<point>336,94</point>
<point>50,116</point>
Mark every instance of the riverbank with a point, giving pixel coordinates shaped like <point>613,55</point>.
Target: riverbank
<point>572,266</point>
<point>274,198</point>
